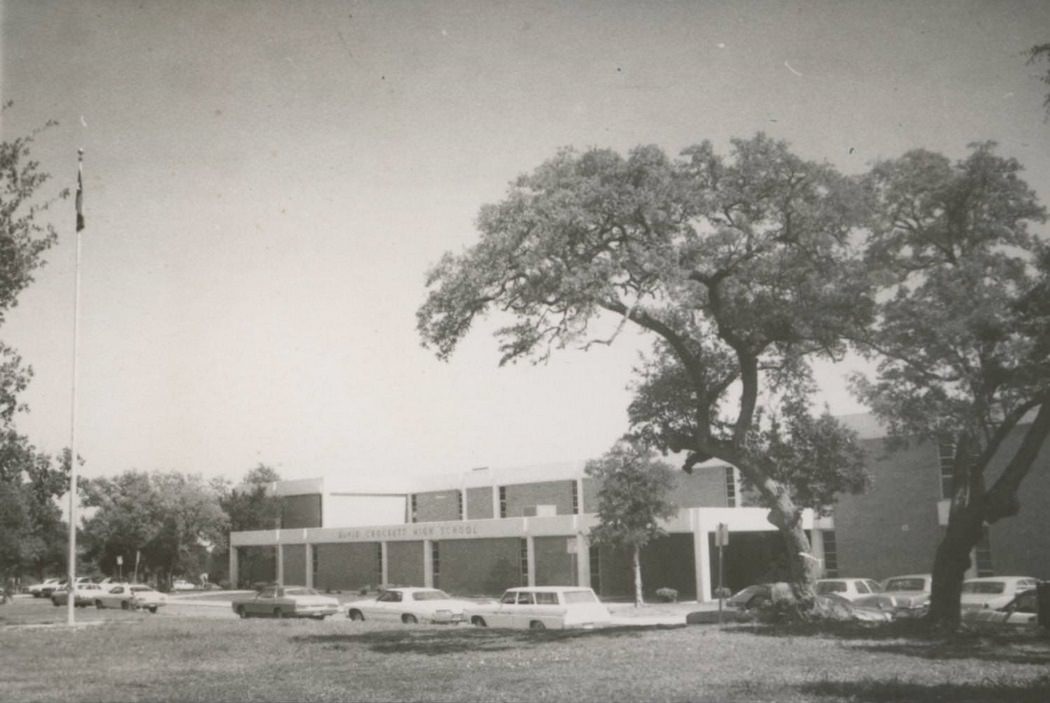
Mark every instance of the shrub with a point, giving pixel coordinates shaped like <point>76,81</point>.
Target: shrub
<point>667,595</point>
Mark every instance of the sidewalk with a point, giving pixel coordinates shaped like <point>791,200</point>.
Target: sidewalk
<point>657,613</point>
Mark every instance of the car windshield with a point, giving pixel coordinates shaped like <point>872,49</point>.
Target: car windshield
<point>300,591</point>
<point>916,584</point>
<point>430,595</point>
<point>984,587</point>
<point>579,597</point>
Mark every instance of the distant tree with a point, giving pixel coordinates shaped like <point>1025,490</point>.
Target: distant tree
<point>169,520</point>
<point>248,506</point>
<point>30,522</point>
<point>742,268</point>
<point>962,334</point>
<point>1038,53</point>
<point>633,488</point>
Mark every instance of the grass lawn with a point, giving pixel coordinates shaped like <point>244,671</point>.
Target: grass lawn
<point>138,657</point>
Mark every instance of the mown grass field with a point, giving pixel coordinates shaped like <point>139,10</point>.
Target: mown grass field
<point>137,657</point>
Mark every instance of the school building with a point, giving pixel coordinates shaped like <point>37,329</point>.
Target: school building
<point>485,530</point>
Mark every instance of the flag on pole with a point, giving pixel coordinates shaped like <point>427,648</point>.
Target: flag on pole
<point>80,189</point>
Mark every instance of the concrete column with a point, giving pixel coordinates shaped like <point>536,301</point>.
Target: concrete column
<point>280,564</point>
<point>583,561</point>
<point>701,557</point>
<point>385,575</point>
<point>579,496</point>
<point>309,565</point>
<point>234,576</point>
<point>428,563</point>
<point>530,552</point>
<point>816,545</point>
<point>495,501</point>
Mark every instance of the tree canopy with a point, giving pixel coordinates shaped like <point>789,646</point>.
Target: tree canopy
<point>962,332</point>
<point>741,267</point>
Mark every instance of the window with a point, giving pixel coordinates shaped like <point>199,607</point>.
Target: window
<point>435,562</point>
<point>430,595</point>
<point>526,598</point>
<point>313,562</point>
<point>825,587</point>
<point>579,597</point>
<point>575,497</point>
<point>544,598</point>
<point>412,508</point>
<point>503,501</point>
<point>459,505</point>
<point>831,556</point>
<point>595,558</point>
<point>389,597</point>
<point>523,553</point>
<point>379,561</point>
<point>862,587</point>
<point>730,487</point>
<point>509,598</point>
<point>946,454</point>
<point>983,555</point>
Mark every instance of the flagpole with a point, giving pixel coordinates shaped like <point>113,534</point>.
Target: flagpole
<point>72,575</point>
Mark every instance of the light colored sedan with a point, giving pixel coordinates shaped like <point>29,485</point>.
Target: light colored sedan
<point>130,596</point>
<point>1021,613</point>
<point>993,591</point>
<point>410,605</point>
<point>848,588</point>
<point>84,595</point>
<point>543,607</point>
<point>904,596</point>
<point>286,602</point>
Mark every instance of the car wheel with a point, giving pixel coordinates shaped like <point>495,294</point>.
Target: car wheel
<point>478,621</point>
<point>537,625</point>
<point>54,601</point>
<point>356,615</point>
<point>241,612</point>
<point>98,604</point>
<point>277,613</point>
<point>409,619</point>
<point>152,609</point>
<point>124,605</point>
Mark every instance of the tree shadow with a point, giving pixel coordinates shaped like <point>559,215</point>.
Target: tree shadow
<point>439,642</point>
<point>1037,691</point>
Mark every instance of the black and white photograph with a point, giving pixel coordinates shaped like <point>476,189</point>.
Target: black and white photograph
<point>552,350</point>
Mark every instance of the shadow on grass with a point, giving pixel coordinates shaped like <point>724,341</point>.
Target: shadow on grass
<point>1037,691</point>
<point>438,642</point>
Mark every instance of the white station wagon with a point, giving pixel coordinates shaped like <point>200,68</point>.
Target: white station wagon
<point>543,607</point>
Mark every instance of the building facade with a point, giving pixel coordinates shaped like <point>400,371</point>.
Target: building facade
<point>485,530</point>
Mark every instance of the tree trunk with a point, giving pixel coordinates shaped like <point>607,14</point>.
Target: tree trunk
<point>802,565</point>
<point>637,563</point>
<point>950,564</point>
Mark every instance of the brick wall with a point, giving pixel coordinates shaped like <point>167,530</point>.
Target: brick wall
<point>347,567</point>
<point>1021,544</point>
<point>479,503</point>
<point>556,493</point>
<point>300,511</point>
<point>479,566</point>
<point>294,560</point>
<point>405,567</point>
<point>554,566</point>
<point>892,528</point>
<point>436,506</point>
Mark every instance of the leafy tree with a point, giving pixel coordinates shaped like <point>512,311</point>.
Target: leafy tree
<point>170,519</point>
<point>248,506</point>
<point>632,500</point>
<point>962,334</point>
<point>30,523</point>
<point>741,268</point>
<point>1038,53</point>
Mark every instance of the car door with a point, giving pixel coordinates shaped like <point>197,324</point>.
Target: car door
<point>115,596</point>
<point>388,606</point>
<point>506,614</point>
<point>262,604</point>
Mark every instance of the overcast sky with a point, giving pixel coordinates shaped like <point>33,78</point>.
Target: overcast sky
<point>268,182</point>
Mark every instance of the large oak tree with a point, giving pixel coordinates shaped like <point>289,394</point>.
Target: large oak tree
<point>962,334</point>
<point>741,268</point>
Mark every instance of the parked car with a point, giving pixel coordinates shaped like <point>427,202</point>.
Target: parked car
<point>49,585</point>
<point>1021,613</point>
<point>410,605</point>
<point>286,602</point>
<point>130,596</point>
<point>542,607</point>
<point>903,596</point>
<point>83,595</point>
<point>182,585</point>
<point>838,607</point>
<point>993,591</point>
<point>755,596</point>
<point>848,588</point>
